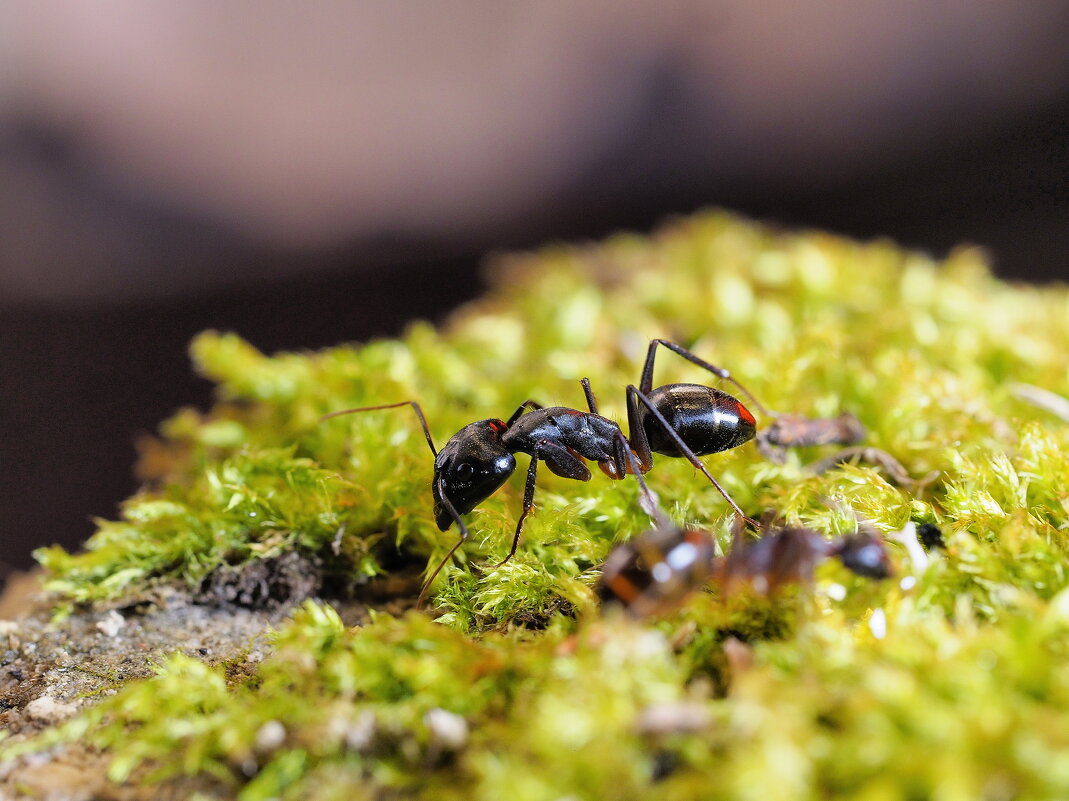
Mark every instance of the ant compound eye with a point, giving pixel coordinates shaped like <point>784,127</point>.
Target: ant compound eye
<point>464,471</point>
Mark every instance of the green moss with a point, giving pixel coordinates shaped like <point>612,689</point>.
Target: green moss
<point>960,710</point>
<point>947,685</point>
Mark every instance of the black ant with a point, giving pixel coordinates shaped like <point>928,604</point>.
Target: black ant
<point>680,420</point>
<point>479,458</point>
<point>656,571</point>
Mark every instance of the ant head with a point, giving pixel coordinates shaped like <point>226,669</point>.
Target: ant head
<point>863,553</point>
<point>470,468</point>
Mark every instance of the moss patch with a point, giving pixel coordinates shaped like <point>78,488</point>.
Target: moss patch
<point>944,683</point>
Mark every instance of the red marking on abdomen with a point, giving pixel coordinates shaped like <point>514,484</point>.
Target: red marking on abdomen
<point>744,414</point>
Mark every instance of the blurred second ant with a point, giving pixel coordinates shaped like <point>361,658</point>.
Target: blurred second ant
<point>656,571</point>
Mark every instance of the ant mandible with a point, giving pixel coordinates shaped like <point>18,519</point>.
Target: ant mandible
<point>679,420</point>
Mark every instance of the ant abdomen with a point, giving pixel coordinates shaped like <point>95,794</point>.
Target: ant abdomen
<point>707,419</point>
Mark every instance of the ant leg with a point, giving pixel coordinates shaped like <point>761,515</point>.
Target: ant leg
<point>591,401</point>
<point>632,394</point>
<point>527,404</point>
<point>640,443</point>
<point>415,407</point>
<point>562,462</point>
<point>624,457</point>
<point>528,504</point>
<point>463,536</point>
<point>646,384</point>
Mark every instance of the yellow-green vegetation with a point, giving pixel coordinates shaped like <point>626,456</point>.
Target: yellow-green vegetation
<point>947,682</point>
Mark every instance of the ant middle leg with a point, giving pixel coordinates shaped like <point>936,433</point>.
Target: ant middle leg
<point>646,382</point>
<point>566,464</point>
<point>563,463</point>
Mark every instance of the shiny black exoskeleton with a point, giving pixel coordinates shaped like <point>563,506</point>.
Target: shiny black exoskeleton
<point>709,420</point>
<point>469,469</point>
<point>687,420</point>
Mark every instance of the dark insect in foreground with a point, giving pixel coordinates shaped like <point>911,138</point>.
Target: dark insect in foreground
<point>930,536</point>
<point>679,420</point>
<point>656,571</point>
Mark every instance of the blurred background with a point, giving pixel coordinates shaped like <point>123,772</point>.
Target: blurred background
<point>309,174</point>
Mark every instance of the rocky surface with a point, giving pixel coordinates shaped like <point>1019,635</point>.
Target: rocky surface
<point>52,667</point>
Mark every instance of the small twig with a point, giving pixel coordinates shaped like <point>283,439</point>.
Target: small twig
<point>877,457</point>
<point>1043,398</point>
<point>795,431</point>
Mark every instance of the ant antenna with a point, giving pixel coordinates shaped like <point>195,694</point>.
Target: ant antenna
<point>413,404</point>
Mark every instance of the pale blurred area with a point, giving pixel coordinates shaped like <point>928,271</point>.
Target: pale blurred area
<point>310,173</point>
<point>297,126</point>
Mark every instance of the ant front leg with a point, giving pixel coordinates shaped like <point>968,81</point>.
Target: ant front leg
<point>646,382</point>
<point>642,446</point>
<point>562,462</point>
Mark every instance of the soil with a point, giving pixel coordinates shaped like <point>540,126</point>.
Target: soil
<point>49,669</point>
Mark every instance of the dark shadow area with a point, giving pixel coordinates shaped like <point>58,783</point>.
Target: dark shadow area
<point>79,385</point>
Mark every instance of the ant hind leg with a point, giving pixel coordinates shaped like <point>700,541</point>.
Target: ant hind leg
<point>646,382</point>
